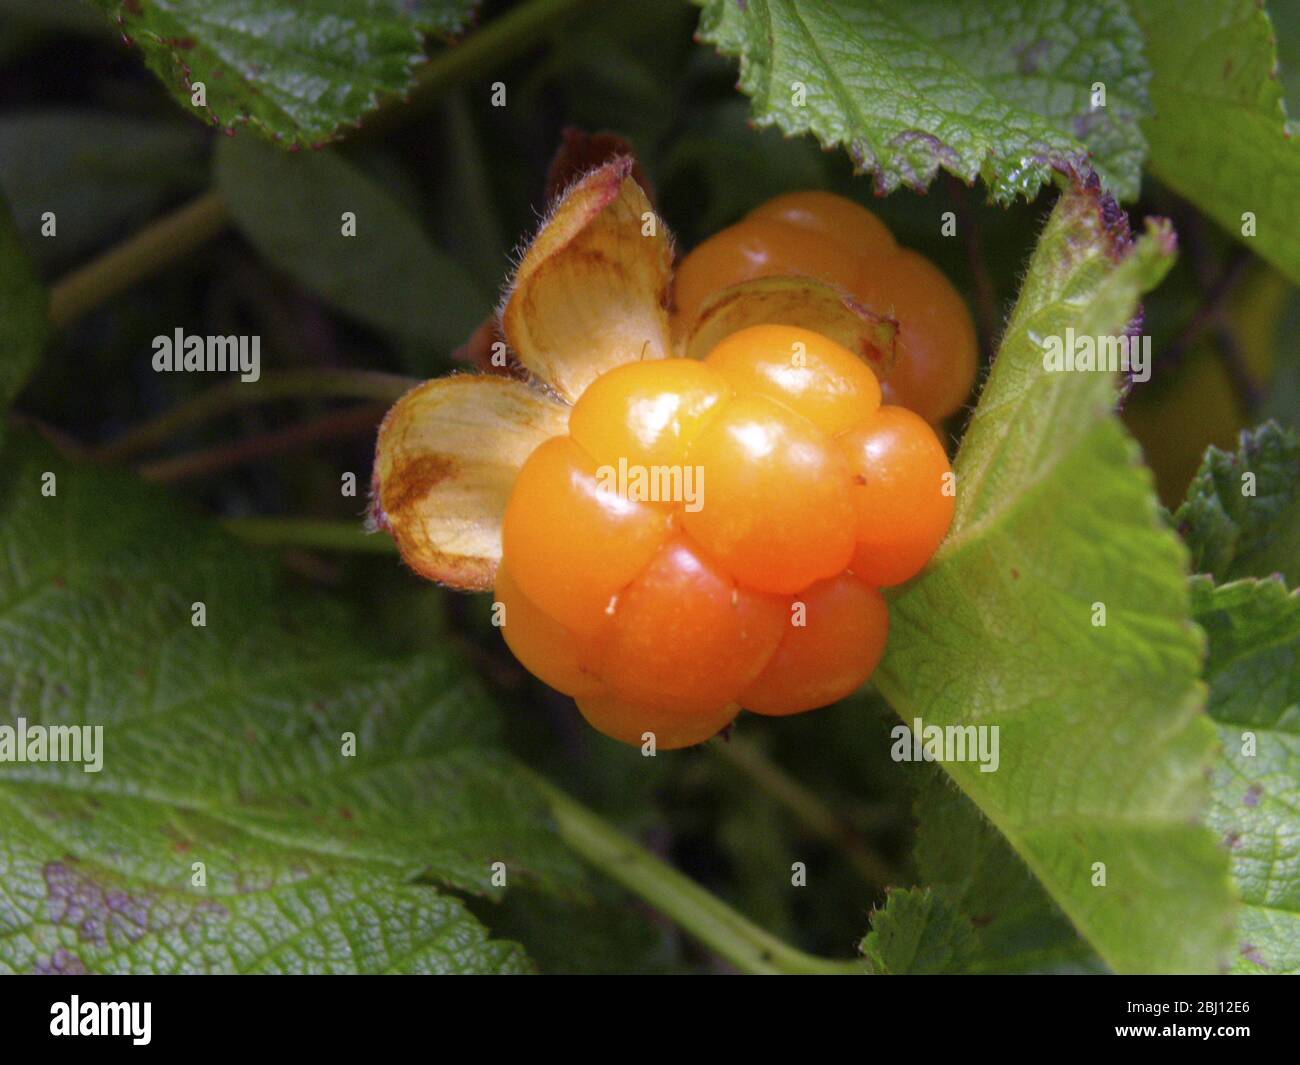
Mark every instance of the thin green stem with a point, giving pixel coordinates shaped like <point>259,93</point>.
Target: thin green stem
<point>309,533</point>
<point>809,809</point>
<point>137,257</point>
<point>734,937</point>
<point>283,384</point>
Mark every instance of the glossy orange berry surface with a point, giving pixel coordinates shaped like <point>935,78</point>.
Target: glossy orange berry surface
<point>759,247</point>
<point>631,723</point>
<point>936,354</point>
<point>821,235</point>
<point>712,535</point>
<point>776,511</point>
<point>837,219</point>
<point>685,635</point>
<point>571,545</point>
<point>903,494</point>
<point>646,412</point>
<point>803,371</point>
<point>543,645</point>
<point>835,638</point>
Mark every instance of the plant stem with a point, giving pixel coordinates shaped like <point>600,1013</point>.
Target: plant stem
<point>330,426</point>
<point>309,533</point>
<point>809,809</point>
<point>710,920</point>
<point>137,257</point>
<point>283,384</point>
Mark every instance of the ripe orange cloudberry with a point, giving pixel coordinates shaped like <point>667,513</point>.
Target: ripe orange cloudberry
<point>673,539</point>
<point>712,535</point>
<point>832,239</point>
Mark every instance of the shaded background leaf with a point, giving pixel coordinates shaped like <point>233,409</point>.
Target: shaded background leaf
<point>1254,675</point>
<point>1233,534</point>
<point>223,744</point>
<point>100,173</point>
<point>388,275</point>
<point>1218,127</point>
<point>24,323</point>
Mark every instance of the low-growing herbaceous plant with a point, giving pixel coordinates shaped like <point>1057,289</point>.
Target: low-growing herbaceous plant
<point>783,486</point>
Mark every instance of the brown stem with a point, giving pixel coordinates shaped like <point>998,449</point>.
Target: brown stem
<point>331,426</point>
<point>281,384</point>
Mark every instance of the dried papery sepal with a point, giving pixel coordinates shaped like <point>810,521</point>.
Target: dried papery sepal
<point>591,291</point>
<point>795,301</point>
<point>445,461</point>
<point>581,152</point>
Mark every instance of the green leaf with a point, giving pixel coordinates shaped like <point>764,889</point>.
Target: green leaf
<point>918,933</point>
<point>1254,675</point>
<point>595,935</point>
<point>225,744</point>
<point>1104,745</point>
<point>1286,24</point>
<point>1000,90</point>
<point>101,174</point>
<point>1218,128</point>
<point>1242,514</point>
<point>968,864</point>
<point>295,70</point>
<point>388,275</point>
<point>446,17</point>
<point>24,321</point>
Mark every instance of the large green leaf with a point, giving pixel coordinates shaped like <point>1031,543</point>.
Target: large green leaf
<point>1218,128</point>
<point>965,860</point>
<point>388,275</point>
<point>224,744</point>
<point>1242,513</point>
<point>1104,744</point>
<point>24,321</point>
<point>295,70</point>
<point>1254,676</point>
<point>1000,90</point>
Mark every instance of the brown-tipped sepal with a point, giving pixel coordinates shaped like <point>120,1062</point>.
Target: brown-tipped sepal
<point>445,462</point>
<point>591,291</point>
<point>581,152</point>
